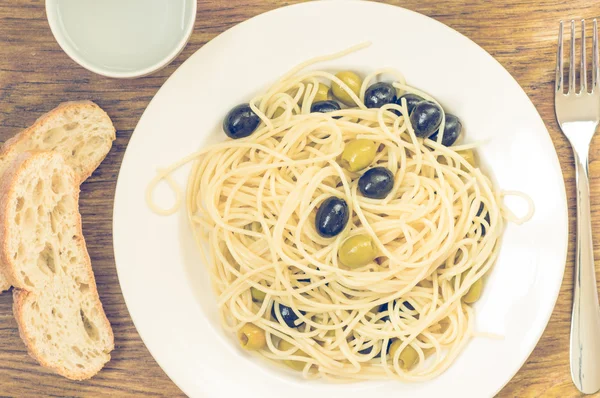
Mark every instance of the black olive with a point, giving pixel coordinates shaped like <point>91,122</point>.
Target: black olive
<point>426,118</point>
<point>452,130</point>
<point>376,183</point>
<point>384,307</point>
<point>380,94</point>
<point>486,218</point>
<point>288,315</point>
<point>408,306</point>
<point>411,101</point>
<point>325,107</point>
<point>368,350</point>
<point>332,217</point>
<point>240,122</point>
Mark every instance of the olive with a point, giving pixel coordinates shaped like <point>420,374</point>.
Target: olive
<point>254,226</point>
<point>380,94</point>
<point>284,345</point>
<point>288,315</point>
<point>322,93</point>
<point>408,357</point>
<point>452,130</point>
<point>368,350</point>
<point>389,344</point>
<point>486,218</point>
<point>257,295</point>
<point>469,156</point>
<point>425,118</point>
<point>387,349</point>
<point>240,122</point>
<point>384,307</point>
<point>376,183</point>
<point>357,251</point>
<point>411,101</point>
<point>332,217</point>
<point>350,79</point>
<point>325,107</point>
<point>251,337</point>
<point>358,154</point>
<point>474,292</point>
<point>278,112</point>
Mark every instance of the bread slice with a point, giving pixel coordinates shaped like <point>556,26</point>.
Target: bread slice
<point>43,255</point>
<point>80,131</point>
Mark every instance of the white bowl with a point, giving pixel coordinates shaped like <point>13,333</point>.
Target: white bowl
<point>122,38</point>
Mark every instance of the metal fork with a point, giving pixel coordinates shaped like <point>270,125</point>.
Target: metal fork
<point>578,114</point>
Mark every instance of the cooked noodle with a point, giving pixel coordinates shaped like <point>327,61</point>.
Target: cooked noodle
<point>252,204</point>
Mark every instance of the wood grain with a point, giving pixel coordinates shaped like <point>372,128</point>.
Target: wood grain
<point>35,75</point>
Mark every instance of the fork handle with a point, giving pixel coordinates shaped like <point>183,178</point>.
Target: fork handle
<point>585,322</point>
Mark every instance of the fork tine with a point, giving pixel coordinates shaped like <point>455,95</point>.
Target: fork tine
<point>595,64</point>
<point>572,60</point>
<point>583,75</point>
<point>558,80</point>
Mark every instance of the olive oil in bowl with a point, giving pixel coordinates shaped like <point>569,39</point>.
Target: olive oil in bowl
<point>122,38</point>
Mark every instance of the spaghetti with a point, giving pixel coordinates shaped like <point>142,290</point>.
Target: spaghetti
<point>252,204</point>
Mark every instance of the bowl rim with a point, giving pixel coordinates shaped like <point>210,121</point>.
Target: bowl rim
<point>57,32</point>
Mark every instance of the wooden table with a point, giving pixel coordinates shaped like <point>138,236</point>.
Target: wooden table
<point>35,75</point>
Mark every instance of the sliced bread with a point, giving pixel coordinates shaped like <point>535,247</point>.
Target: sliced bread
<point>80,131</point>
<point>44,256</point>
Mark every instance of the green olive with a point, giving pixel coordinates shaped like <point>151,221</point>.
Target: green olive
<point>474,292</point>
<point>408,357</point>
<point>254,226</point>
<point>350,79</point>
<point>330,333</point>
<point>469,156</point>
<point>252,337</point>
<point>322,93</point>
<point>278,112</point>
<point>357,250</point>
<point>284,345</point>
<point>257,295</point>
<point>358,154</point>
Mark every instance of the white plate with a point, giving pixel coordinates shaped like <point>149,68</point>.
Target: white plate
<point>167,288</point>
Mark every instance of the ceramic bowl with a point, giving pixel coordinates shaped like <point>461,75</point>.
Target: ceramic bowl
<point>122,39</point>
